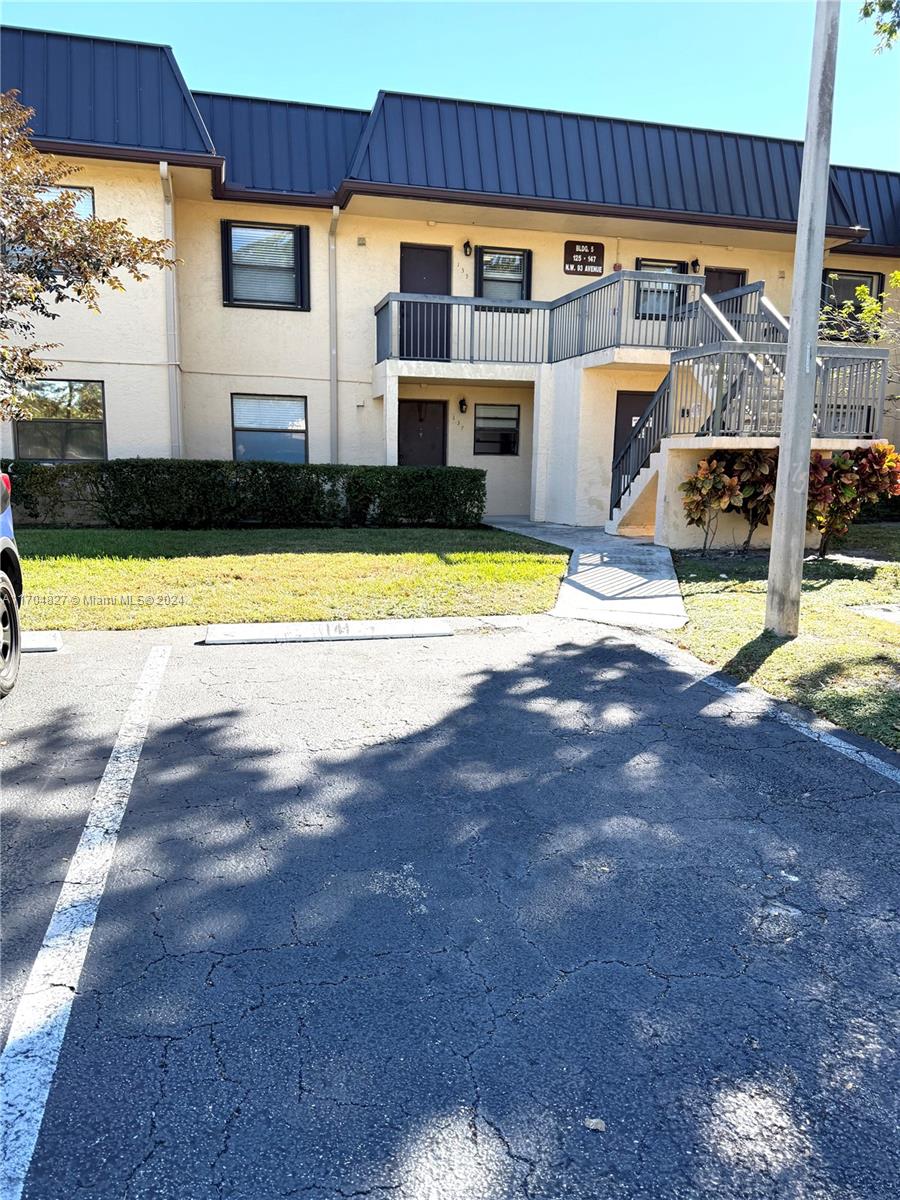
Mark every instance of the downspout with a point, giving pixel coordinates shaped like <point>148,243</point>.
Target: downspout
<point>173,356</point>
<point>332,331</point>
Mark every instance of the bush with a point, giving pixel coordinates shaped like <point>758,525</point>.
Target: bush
<point>709,492</point>
<point>163,493</point>
<point>755,471</point>
<point>885,509</point>
<point>839,486</point>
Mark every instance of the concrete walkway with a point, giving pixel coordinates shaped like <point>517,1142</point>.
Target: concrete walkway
<point>616,580</point>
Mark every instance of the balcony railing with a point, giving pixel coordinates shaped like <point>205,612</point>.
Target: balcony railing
<point>750,314</point>
<point>736,389</point>
<point>650,309</point>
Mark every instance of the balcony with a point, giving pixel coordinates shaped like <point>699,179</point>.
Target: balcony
<point>649,309</point>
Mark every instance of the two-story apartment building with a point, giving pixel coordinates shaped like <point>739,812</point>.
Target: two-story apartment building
<point>573,303</point>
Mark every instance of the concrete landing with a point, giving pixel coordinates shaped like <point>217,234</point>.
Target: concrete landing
<point>616,580</point>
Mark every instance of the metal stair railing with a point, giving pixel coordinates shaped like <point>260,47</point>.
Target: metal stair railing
<point>644,441</point>
<point>663,418</point>
<point>728,382</point>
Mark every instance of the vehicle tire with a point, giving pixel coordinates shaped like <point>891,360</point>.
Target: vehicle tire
<point>10,636</point>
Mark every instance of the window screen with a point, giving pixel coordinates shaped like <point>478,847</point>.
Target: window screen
<point>496,429</point>
<point>66,421</point>
<point>269,428</point>
<point>503,274</point>
<point>657,299</point>
<point>266,265</point>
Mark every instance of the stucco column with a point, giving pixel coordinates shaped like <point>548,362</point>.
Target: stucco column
<point>541,441</point>
<point>391,414</point>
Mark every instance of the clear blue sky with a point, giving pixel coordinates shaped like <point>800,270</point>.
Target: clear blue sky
<point>724,65</point>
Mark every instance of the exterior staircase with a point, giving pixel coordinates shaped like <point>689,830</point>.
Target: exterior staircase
<point>639,502</point>
<point>731,384</point>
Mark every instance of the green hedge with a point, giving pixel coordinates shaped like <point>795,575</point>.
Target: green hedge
<point>885,509</point>
<point>163,493</point>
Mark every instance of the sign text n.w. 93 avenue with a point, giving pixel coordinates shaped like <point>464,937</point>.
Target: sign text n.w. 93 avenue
<point>583,258</point>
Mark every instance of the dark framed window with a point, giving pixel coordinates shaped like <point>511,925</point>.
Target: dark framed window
<point>657,300</point>
<point>84,198</point>
<point>66,423</point>
<point>269,428</point>
<point>502,274</point>
<point>838,289</point>
<point>496,429</point>
<point>840,286</point>
<point>265,266</point>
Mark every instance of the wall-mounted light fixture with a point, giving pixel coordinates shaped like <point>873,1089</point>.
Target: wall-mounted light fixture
<point>463,404</point>
<point>695,265</point>
<point>467,249</point>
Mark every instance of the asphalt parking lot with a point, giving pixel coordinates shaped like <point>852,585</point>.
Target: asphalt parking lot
<point>525,912</point>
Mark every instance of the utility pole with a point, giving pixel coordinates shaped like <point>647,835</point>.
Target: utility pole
<point>789,524</point>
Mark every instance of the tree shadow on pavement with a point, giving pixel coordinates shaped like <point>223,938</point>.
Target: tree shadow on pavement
<point>348,948</point>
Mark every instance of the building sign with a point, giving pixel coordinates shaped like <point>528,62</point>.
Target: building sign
<point>583,258</point>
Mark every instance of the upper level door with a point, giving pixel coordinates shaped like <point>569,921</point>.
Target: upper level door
<point>723,279</point>
<point>425,328</point>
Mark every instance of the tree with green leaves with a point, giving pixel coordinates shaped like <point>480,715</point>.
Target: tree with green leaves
<point>886,15</point>
<point>51,255</point>
<point>867,320</point>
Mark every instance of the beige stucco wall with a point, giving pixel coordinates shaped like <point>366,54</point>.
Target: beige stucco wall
<point>276,352</point>
<point>288,351</point>
<point>124,345</point>
<point>679,458</point>
<point>577,435</point>
<point>508,476</point>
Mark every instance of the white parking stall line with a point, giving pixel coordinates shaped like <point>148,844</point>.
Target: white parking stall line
<point>30,1055</point>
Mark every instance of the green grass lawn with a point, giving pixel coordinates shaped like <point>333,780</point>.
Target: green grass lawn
<point>137,579</point>
<point>844,666</point>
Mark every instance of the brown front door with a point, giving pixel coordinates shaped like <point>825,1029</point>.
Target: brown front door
<point>424,327</point>
<point>422,433</point>
<point>630,407</point>
<point>720,279</point>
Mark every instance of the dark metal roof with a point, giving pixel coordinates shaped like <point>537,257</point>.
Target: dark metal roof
<point>281,146</point>
<point>874,199</point>
<point>500,150</point>
<point>101,96</point>
<point>98,92</point>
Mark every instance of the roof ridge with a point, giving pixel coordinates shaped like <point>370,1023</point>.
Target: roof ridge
<point>345,108</point>
<point>87,37</point>
<point>643,123</point>
<point>364,136</point>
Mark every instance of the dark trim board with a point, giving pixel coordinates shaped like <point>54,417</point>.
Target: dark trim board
<point>138,154</point>
<point>349,188</point>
